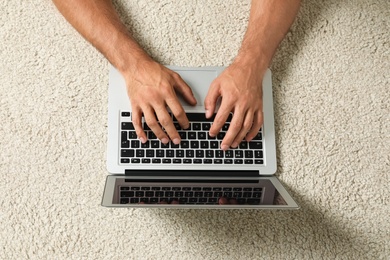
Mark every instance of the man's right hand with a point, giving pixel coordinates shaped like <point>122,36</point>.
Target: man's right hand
<point>152,90</point>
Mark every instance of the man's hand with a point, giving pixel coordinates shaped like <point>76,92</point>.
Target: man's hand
<point>240,87</point>
<point>152,89</point>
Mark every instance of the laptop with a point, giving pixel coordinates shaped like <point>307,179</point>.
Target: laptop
<point>196,173</point>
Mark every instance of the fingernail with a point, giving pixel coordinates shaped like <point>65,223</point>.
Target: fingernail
<point>207,113</point>
<point>142,140</point>
<point>234,145</point>
<point>224,147</point>
<point>176,141</point>
<point>164,140</point>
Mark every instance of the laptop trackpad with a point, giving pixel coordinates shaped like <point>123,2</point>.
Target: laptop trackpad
<point>199,81</point>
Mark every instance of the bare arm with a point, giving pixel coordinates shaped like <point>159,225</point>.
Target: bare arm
<point>151,86</point>
<point>240,85</point>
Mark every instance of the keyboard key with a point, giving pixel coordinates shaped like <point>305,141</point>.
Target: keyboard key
<point>258,154</point>
<point>221,135</point>
<point>145,160</point>
<point>204,144</point>
<point>187,161</point>
<point>229,154</point>
<point>248,154</point>
<point>123,136</point>
<point>259,162</point>
<point>196,126</point>
<point>127,194</point>
<point>155,144</point>
<point>125,160</point>
<point>255,145</point>
<point>176,161</point>
<point>127,126</point>
<point>132,135</point>
<point>166,160</point>
<point>214,144</point>
<point>155,160</point>
<point>164,146</point>
<point>238,161</point>
<point>183,135</point>
<point>238,154</point>
<point>225,127</point>
<point>139,193</point>
<point>183,200</point>
<point>206,126</point>
<point>170,153</point>
<point>135,143</point>
<point>195,144</point>
<point>146,144</point>
<point>185,144</point>
<point>125,188</point>
<point>202,135</point>
<point>149,153</point>
<point>228,161</point>
<point>258,137</point>
<point>197,161</point>
<point>207,161</point>
<point>135,160</point>
<point>191,135</point>
<point>219,154</point>
<point>125,114</point>
<point>190,153</point>
<point>180,153</point>
<point>248,161</point>
<point>244,145</point>
<point>134,200</point>
<point>124,201</point>
<point>199,153</point>
<point>160,153</point>
<point>127,153</point>
<point>218,161</point>
<point>139,153</point>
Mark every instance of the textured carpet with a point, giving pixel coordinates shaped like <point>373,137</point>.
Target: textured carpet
<point>331,89</point>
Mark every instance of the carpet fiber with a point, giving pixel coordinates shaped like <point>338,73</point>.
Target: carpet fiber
<point>331,89</point>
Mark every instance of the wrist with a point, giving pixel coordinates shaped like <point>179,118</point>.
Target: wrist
<point>255,61</point>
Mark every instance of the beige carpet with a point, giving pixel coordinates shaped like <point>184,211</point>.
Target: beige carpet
<point>331,88</point>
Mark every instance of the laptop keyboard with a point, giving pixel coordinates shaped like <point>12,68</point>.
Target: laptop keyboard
<point>196,146</point>
<point>189,195</point>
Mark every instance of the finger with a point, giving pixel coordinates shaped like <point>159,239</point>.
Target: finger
<point>211,99</point>
<point>165,120</point>
<point>246,127</point>
<point>257,124</point>
<point>137,122</point>
<point>220,118</point>
<point>153,124</point>
<point>175,202</point>
<point>223,201</point>
<point>182,87</point>
<point>178,112</point>
<point>234,128</point>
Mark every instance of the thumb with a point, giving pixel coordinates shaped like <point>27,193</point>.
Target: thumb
<point>182,87</point>
<point>211,99</point>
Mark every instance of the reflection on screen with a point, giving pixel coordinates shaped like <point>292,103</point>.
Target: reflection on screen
<point>197,192</point>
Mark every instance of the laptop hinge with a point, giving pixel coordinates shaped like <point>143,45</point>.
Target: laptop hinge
<point>192,173</point>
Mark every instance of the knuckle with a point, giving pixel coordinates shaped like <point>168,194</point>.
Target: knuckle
<point>165,121</point>
<point>152,123</point>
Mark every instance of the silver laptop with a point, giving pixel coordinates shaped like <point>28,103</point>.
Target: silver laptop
<point>196,173</point>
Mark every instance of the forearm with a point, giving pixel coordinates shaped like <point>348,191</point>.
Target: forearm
<point>98,22</point>
<point>269,22</point>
